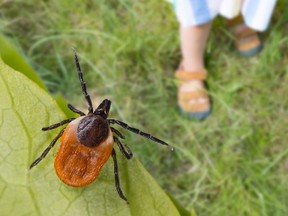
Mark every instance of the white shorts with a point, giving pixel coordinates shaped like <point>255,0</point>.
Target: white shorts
<point>256,13</point>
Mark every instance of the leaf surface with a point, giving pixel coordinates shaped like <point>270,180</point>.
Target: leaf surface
<point>24,109</point>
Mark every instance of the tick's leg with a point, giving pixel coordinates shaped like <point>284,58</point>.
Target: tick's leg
<point>83,83</point>
<point>73,109</point>
<point>137,131</point>
<point>127,152</point>
<point>117,133</point>
<point>57,124</point>
<point>45,152</point>
<point>117,181</point>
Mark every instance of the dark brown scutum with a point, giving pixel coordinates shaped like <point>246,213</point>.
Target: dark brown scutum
<point>92,130</point>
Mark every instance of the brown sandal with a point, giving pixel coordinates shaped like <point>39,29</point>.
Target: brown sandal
<point>247,40</point>
<point>194,110</point>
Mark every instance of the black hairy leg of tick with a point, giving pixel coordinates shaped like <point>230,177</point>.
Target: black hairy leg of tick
<point>137,131</point>
<point>73,109</point>
<point>126,151</point>
<point>46,151</point>
<point>117,133</point>
<point>83,83</point>
<point>57,124</point>
<point>116,175</point>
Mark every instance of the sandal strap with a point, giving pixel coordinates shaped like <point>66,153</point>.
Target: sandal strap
<point>184,99</point>
<point>185,96</point>
<point>236,20</point>
<point>195,107</point>
<point>186,76</point>
<point>240,32</point>
<point>248,44</point>
<point>246,32</point>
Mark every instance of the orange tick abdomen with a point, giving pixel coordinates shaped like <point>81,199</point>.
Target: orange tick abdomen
<point>76,164</point>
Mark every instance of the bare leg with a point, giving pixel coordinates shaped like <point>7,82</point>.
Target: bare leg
<point>193,42</point>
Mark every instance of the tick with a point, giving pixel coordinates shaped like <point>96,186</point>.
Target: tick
<point>87,142</point>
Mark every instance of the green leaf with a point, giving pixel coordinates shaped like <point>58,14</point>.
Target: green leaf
<point>12,58</point>
<point>24,109</point>
<point>181,209</point>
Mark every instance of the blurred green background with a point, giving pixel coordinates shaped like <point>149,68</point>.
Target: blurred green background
<point>235,162</point>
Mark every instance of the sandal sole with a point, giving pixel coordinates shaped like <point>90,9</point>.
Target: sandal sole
<point>251,52</point>
<point>199,116</point>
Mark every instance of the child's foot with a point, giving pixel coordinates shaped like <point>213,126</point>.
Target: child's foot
<point>247,40</point>
<point>193,100</point>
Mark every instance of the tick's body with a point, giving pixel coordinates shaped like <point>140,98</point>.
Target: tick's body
<point>76,164</point>
<point>87,143</point>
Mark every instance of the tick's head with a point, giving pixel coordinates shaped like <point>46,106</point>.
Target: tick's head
<point>103,108</point>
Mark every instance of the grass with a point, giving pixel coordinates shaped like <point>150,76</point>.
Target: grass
<point>235,162</point>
